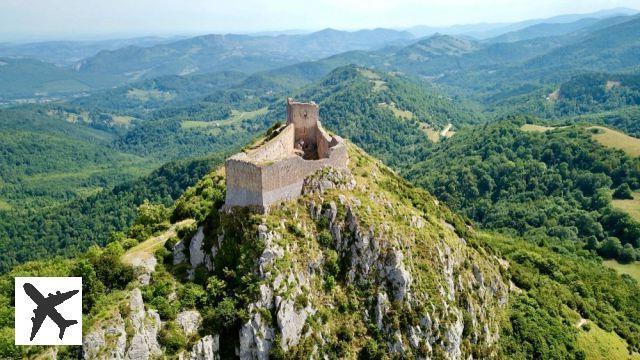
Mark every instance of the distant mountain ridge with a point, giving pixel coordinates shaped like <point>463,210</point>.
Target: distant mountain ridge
<point>139,59</point>
<point>234,52</point>
<point>543,30</point>
<point>530,52</point>
<point>65,53</point>
<point>489,30</point>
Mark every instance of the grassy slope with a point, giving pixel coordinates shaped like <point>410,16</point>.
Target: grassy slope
<point>605,136</point>
<point>630,206</point>
<point>599,344</point>
<point>617,140</point>
<point>632,269</point>
<point>236,117</point>
<point>536,128</point>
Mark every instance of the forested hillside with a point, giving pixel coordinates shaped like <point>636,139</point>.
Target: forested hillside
<point>540,185</point>
<point>588,300</point>
<point>70,228</point>
<point>63,160</point>
<point>47,159</point>
<point>390,116</point>
<point>625,119</point>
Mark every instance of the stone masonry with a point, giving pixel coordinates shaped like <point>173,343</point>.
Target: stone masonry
<point>275,169</point>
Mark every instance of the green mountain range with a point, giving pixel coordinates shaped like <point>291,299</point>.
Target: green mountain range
<point>491,207</point>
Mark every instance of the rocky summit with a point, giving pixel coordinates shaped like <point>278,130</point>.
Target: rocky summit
<point>361,263</point>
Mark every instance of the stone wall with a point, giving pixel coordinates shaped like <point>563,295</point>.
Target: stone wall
<point>324,142</point>
<point>283,179</point>
<point>304,116</point>
<point>244,183</point>
<point>276,148</point>
<point>274,171</point>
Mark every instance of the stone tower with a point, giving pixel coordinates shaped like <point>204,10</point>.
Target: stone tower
<point>275,169</point>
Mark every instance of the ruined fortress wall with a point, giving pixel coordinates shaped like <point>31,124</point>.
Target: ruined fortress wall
<point>304,116</point>
<point>283,180</point>
<point>277,147</point>
<point>323,142</point>
<point>275,171</point>
<point>252,185</point>
<point>244,183</point>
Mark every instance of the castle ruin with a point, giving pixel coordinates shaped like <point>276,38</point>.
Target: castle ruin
<point>275,169</point>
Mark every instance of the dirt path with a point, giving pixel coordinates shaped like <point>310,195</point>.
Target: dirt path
<point>142,255</point>
<point>444,132</point>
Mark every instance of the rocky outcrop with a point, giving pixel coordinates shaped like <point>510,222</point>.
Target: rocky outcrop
<point>178,253</point>
<point>137,340</point>
<point>328,178</point>
<point>397,276</point>
<point>147,266</point>
<point>196,253</point>
<point>206,349</point>
<point>256,338</point>
<point>378,259</point>
<point>145,324</point>
<point>256,335</point>
<point>291,320</point>
<point>381,308</point>
<point>189,321</point>
<point>107,342</point>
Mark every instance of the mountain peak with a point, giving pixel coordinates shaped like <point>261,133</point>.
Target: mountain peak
<point>442,44</point>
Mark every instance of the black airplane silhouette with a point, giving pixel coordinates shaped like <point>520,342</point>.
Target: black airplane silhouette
<point>47,307</point>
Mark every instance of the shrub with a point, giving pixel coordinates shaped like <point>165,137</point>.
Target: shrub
<point>109,268</point>
<point>331,264</point>
<point>371,351</point>
<point>200,275</point>
<point>171,243</point>
<point>172,338</point>
<point>192,295</point>
<point>628,254</point>
<point>325,239</point>
<point>329,283</point>
<point>610,248</point>
<point>92,288</point>
<point>163,256</point>
<point>128,243</point>
<point>151,214</point>
<point>187,231</point>
<point>222,316</point>
<point>295,230</point>
<point>215,289</point>
<point>301,301</point>
<point>623,192</point>
<point>166,309</point>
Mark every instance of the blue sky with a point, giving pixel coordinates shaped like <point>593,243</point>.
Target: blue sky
<point>68,19</point>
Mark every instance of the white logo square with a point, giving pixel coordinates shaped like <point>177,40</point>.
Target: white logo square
<point>48,310</point>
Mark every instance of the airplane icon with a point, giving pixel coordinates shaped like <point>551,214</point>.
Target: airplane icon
<point>47,307</point>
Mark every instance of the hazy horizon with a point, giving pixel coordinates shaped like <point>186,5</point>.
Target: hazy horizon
<point>43,20</point>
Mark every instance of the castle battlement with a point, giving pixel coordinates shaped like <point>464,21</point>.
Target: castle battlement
<point>275,169</point>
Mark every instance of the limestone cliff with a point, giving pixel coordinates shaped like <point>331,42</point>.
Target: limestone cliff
<point>362,264</point>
